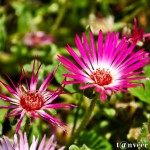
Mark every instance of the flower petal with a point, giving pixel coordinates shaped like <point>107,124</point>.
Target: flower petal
<point>48,80</point>
<point>20,121</point>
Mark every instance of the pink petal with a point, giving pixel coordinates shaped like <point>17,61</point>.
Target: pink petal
<point>15,112</point>
<point>72,82</point>
<point>8,107</point>
<point>59,106</point>
<point>41,146</point>
<point>34,78</point>
<point>8,143</point>
<point>21,143</point>
<point>103,96</point>
<point>26,146</point>
<point>75,56</point>
<point>49,143</point>
<point>93,48</point>
<point>13,92</point>
<point>20,121</point>
<point>82,51</point>
<point>8,99</point>
<point>87,48</point>
<point>87,86</point>
<point>48,80</point>
<point>53,120</point>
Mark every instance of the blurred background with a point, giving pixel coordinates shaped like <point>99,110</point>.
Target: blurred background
<point>43,27</point>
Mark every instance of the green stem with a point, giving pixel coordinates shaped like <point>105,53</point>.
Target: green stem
<point>60,17</point>
<point>84,121</point>
<point>77,113</point>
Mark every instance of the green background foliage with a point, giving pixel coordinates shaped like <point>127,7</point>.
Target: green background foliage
<point>112,121</point>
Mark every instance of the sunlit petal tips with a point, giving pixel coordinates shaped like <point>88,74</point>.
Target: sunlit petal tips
<point>20,142</point>
<point>110,66</point>
<point>32,101</point>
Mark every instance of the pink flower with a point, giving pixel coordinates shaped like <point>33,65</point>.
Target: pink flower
<point>109,66</point>
<point>37,38</point>
<point>137,33</point>
<point>21,143</point>
<point>31,101</point>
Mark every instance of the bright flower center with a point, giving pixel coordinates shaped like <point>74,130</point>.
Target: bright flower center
<point>101,77</point>
<point>32,101</point>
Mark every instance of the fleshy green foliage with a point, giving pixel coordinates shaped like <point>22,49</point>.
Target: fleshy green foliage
<point>143,93</point>
<point>112,120</point>
<point>74,147</point>
<point>3,33</point>
<point>24,19</point>
<point>3,112</point>
<point>94,141</point>
<point>60,79</point>
<point>144,135</point>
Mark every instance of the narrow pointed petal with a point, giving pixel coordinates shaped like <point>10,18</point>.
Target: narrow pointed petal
<point>34,144</point>
<point>82,51</point>
<point>53,120</point>
<point>75,56</point>
<point>48,80</point>
<point>94,51</point>
<point>8,144</point>
<point>42,143</point>
<point>13,92</point>
<point>26,145</point>
<point>34,78</point>
<point>8,99</point>
<point>8,107</point>
<point>59,106</point>
<point>49,143</point>
<point>14,112</point>
<point>20,121</point>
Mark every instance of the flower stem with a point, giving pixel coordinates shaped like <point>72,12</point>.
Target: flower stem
<point>60,17</point>
<point>84,121</point>
<point>80,97</point>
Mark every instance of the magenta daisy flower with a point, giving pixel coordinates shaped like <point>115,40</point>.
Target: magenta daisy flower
<point>110,66</point>
<point>21,143</point>
<point>31,101</point>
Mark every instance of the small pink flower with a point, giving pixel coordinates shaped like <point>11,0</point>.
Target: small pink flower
<point>108,67</point>
<point>32,101</point>
<point>137,33</point>
<point>21,143</point>
<point>37,38</point>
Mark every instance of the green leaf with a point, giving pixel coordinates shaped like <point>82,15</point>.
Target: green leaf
<point>143,137</point>
<point>84,147</point>
<point>1,128</point>
<point>140,92</point>
<point>110,112</point>
<point>94,141</point>
<point>3,112</point>
<point>3,33</point>
<point>58,75</point>
<point>73,147</point>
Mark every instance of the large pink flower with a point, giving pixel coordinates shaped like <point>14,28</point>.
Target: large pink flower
<point>21,143</point>
<point>32,101</point>
<point>111,65</point>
